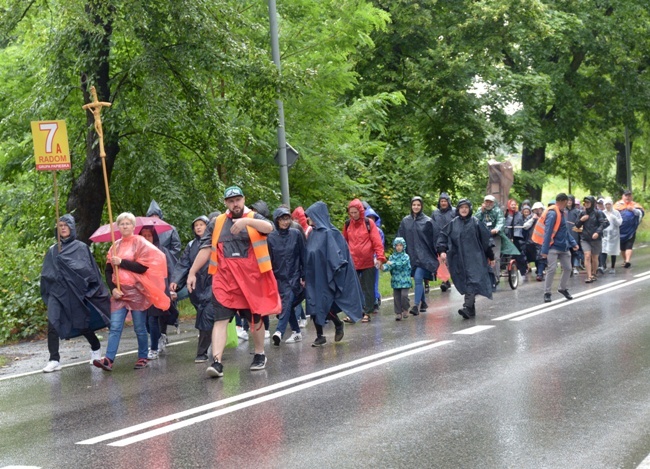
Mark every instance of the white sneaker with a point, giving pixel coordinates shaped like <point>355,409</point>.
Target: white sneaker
<point>51,366</point>
<point>277,338</point>
<point>241,333</point>
<point>95,355</point>
<point>152,355</point>
<point>162,343</point>
<point>295,337</point>
<point>267,334</point>
<point>302,323</point>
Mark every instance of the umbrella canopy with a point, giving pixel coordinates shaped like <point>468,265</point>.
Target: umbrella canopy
<point>103,233</point>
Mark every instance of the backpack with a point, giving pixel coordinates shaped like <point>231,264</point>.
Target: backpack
<point>366,219</point>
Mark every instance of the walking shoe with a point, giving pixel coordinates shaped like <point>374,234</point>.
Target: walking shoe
<point>215,370</point>
<point>152,355</point>
<point>464,313</point>
<point>627,265</point>
<point>141,363</point>
<point>414,310</point>
<point>338,335</point>
<point>600,270</point>
<point>267,334</point>
<point>162,343</point>
<point>539,278</point>
<point>320,341</point>
<point>423,307</point>
<point>295,337</point>
<point>547,297</point>
<point>612,271</point>
<point>177,326</point>
<point>52,365</point>
<point>95,355</point>
<point>259,362</point>
<point>575,271</point>
<point>302,323</point>
<point>398,317</point>
<point>405,315</point>
<point>201,358</point>
<point>566,294</point>
<point>241,333</point>
<point>426,288</point>
<point>104,363</point>
<point>277,338</point>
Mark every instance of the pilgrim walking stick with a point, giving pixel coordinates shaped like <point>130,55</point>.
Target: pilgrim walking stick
<point>96,107</point>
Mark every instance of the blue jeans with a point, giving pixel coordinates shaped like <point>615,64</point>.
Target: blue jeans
<point>117,325</point>
<point>418,277</point>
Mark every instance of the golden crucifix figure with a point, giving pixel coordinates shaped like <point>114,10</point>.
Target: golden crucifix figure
<point>95,106</point>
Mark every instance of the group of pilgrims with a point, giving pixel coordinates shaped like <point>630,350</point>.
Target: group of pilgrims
<point>247,264</point>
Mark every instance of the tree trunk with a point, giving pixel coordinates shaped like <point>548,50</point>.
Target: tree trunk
<point>88,195</point>
<point>621,164</point>
<point>532,160</point>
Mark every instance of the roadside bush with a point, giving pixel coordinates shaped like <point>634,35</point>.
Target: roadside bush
<point>22,312</point>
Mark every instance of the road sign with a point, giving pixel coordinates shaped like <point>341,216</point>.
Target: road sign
<point>51,145</point>
<point>292,156</point>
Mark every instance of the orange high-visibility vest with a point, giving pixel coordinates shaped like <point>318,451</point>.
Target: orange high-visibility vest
<point>258,240</point>
<point>540,226</point>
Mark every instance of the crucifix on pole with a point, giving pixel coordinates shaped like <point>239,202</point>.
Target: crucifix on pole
<point>95,107</point>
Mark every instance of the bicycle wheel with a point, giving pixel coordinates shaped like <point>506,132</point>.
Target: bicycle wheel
<point>513,275</point>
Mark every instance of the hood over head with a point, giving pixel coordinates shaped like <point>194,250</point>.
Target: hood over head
<point>444,195</point>
<point>591,199</point>
<point>156,239</point>
<point>154,209</point>
<point>356,203</point>
<point>464,202</point>
<point>68,220</point>
<point>280,212</point>
<point>262,208</point>
<point>399,240</point>
<point>203,218</point>
<point>319,214</point>
<point>413,199</point>
<point>608,200</point>
<point>537,205</point>
<point>370,213</point>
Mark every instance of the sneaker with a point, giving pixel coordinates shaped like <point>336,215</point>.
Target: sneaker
<point>277,338</point>
<point>338,335</point>
<point>398,317</point>
<point>423,307</point>
<point>600,270</point>
<point>201,358</point>
<point>539,278</point>
<point>547,297</point>
<point>259,362</point>
<point>52,365</point>
<point>215,370</point>
<point>302,323</point>
<point>241,333</point>
<point>627,265</point>
<point>152,355</point>
<point>267,334</point>
<point>464,312</point>
<point>295,337</point>
<point>142,363</point>
<point>95,355</point>
<point>320,341</point>
<point>414,310</point>
<point>612,271</point>
<point>162,343</point>
<point>575,271</point>
<point>104,363</point>
<point>566,294</point>
<point>177,326</point>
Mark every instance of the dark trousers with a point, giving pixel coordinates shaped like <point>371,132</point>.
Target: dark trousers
<point>470,300</point>
<point>331,316</point>
<point>205,339</point>
<point>53,341</point>
<point>401,302</point>
<point>367,280</point>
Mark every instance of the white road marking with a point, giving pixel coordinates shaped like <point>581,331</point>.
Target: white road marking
<point>246,395</point>
<point>645,464</point>
<point>578,300</point>
<point>20,467</point>
<point>474,330</point>
<point>84,362</point>
<point>268,397</point>
<point>642,274</point>
<point>555,302</point>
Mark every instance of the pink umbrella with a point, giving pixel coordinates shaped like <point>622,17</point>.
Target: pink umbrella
<point>103,233</point>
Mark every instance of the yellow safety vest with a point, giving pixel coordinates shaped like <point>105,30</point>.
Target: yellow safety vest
<point>258,240</point>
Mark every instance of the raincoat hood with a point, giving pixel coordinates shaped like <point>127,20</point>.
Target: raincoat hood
<point>319,215</point>
<point>399,240</point>
<point>374,215</point>
<point>214,214</point>
<point>299,215</point>
<point>413,199</point>
<point>156,238</point>
<point>444,195</point>
<point>591,199</point>
<point>356,203</point>
<point>280,212</point>
<point>464,202</point>
<point>154,209</point>
<point>68,220</point>
<point>203,218</point>
<point>262,208</point>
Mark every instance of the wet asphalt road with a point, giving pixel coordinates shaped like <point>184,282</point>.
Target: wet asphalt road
<point>522,386</point>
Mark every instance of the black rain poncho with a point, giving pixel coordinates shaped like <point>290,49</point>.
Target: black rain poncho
<point>72,287</point>
<point>331,281</point>
<point>467,244</point>
<point>420,234</point>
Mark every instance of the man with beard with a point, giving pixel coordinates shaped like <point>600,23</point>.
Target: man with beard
<point>242,275</point>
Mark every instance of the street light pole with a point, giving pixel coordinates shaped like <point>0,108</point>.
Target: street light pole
<point>282,141</point>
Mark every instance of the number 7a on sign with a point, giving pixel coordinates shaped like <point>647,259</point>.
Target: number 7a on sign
<point>51,145</point>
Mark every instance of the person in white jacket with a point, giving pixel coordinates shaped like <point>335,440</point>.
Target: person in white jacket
<point>611,235</point>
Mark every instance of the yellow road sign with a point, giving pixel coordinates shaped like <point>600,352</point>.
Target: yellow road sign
<point>51,145</point>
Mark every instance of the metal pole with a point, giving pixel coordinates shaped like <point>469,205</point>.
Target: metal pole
<point>628,160</point>
<point>282,141</point>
